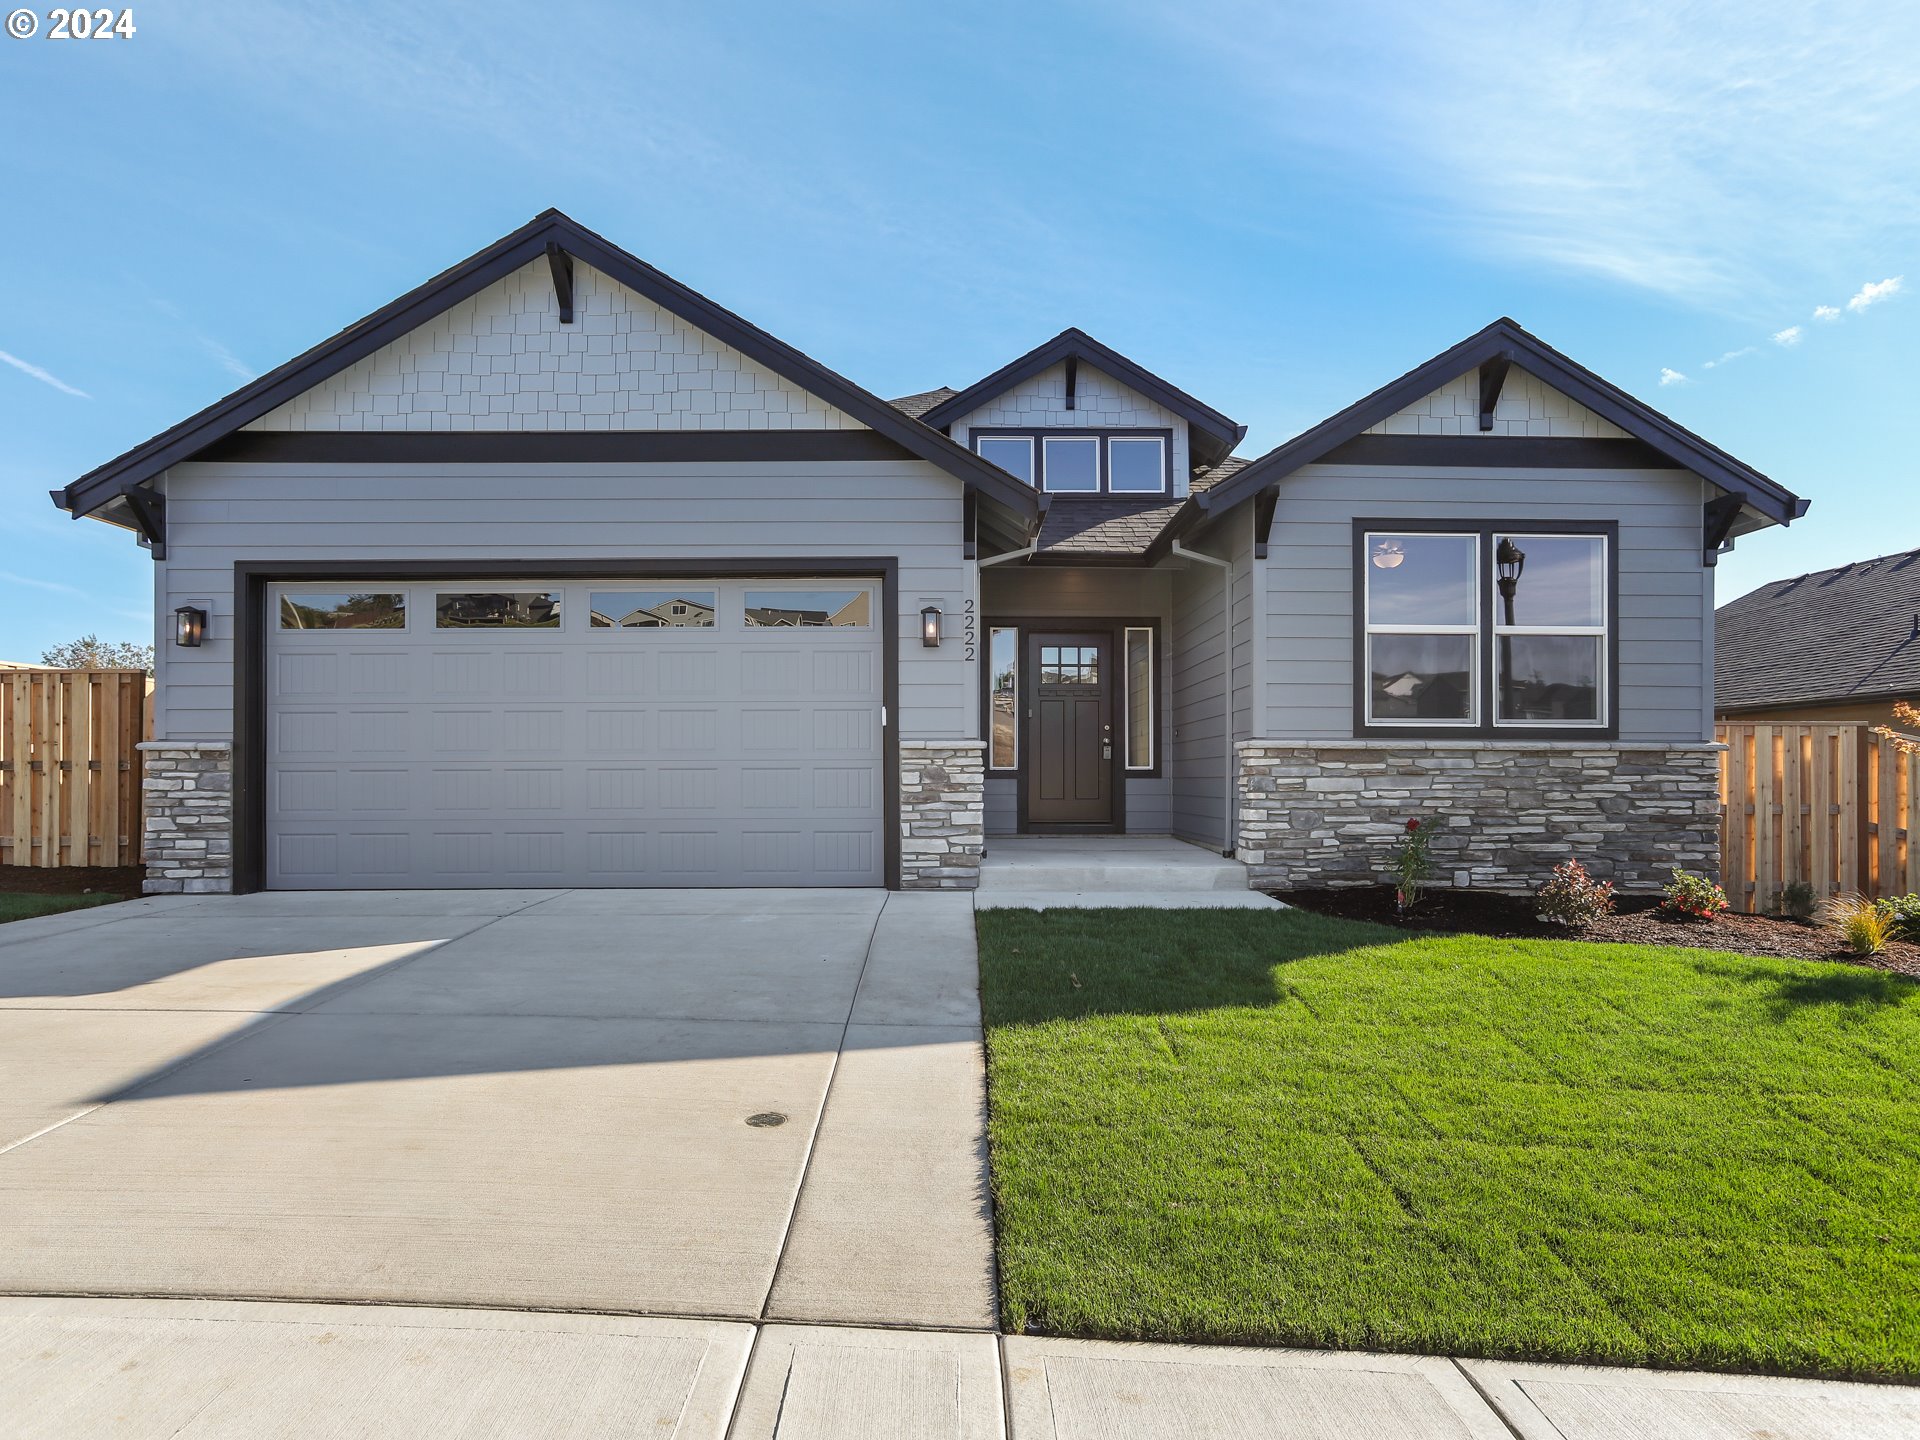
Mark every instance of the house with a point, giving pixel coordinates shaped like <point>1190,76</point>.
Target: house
<point>1836,646</point>
<point>1052,600</point>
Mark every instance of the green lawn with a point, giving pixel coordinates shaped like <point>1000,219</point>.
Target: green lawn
<point>1289,1129</point>
<point>25,907</point>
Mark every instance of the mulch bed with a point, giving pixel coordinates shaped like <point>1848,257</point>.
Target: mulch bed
<point>1635,922</point>
<point>121,880</point>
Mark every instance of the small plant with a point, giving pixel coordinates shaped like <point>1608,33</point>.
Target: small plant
<point>1905,910</point>
<point>1572,897</point>
<point>1411,866</point>
<point>1863,925</point>
<point>1796,901</point>
<point>1693,896</point>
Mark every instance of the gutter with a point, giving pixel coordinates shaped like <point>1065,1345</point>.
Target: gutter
<point>1226,677</point>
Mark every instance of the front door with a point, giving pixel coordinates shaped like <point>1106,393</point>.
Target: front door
<point>1070,730</point>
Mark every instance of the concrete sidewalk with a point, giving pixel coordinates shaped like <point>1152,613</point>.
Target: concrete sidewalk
<point>74,1369</point>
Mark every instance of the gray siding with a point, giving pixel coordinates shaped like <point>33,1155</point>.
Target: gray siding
<point>219,513</point>
<point>1013,592</point>
<point>1665,682</point>
<point>1204,714</point>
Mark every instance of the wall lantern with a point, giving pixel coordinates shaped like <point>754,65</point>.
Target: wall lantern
<point>189,626</point>
<point>930,626</point>
<point>1387,555</point>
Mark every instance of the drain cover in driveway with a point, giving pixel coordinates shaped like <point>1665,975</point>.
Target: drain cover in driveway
<point>766,1119</point>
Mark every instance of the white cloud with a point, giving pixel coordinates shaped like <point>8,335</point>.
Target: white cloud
<point>1724,152</point>
<point>43,376</point>
<point>1788,337</point>
<point>229,362</point>
<point>1874,292</point>
<point>1732,355</point>
<point>8,577</point>
<point>1826,312</point>
<point>1669,376</point>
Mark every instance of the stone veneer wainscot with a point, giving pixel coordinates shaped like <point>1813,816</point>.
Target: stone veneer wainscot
<point>1325,813</point>
<point>188,789</point>
<point>942,813</point>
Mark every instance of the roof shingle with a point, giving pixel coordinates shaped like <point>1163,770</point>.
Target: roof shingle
<point>1842,634</point>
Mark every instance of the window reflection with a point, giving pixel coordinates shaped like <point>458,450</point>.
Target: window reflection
<point>1139,698</point>
<point>1421,677</point>
<point>497,610</point>
<point>1003,697</point>
<point>653,609</point>
<point>1549,678</point>
<point>808,609</point>
<point>1069,665</point>
<point>336,611</point>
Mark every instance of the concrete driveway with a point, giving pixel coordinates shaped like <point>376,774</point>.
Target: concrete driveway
<point>555,1100</point>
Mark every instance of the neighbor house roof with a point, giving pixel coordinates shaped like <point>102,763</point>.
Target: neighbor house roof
<point>1845,634</point>
<point>554,236</point>
<point>918,405</point>
<point>1505,343</point>
<point>1210,435</point>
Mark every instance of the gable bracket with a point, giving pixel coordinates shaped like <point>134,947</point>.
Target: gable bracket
<point>149,511</point>
<point>1716,520</point>
<point>561,263</point>
<point>1493,377</point>
<point>1073,379</point>
<point>1263,504</point>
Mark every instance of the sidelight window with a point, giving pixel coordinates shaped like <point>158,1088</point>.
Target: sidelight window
<point>1003,697</point>
<point>1139,655</point>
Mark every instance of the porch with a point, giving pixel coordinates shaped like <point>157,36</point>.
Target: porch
<point>1038,872</point>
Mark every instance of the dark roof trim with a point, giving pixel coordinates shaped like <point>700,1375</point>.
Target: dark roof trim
<point>529,243</point>
<point>1211,435</point>
<point>1504,341</point>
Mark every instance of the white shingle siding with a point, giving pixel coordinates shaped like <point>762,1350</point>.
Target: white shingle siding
<point>502,360</point>
<point>1100,403</point>
<point>1527,406</point>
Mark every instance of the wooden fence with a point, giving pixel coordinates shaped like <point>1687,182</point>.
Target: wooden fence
<point>69,769</point>
<point>1837,806</point>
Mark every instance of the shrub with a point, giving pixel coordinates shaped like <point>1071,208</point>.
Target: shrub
<point>1796,901</point>
<point>1411,866</point>
<point>1905,910</point>
<point>1862,923</point>
<point>1572,897</point>
<point>1694,896</point>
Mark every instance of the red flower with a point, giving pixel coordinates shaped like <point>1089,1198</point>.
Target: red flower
<point>1412,825</point>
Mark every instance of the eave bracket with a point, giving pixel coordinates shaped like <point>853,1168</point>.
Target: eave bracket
<point>561,263</point>
<point>1073,379</point>
<point>149,511</point>
<point>1493,377</point>
<point>1263,504</point>
<point>1716,523</point>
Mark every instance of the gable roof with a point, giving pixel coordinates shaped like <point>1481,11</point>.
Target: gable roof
<point>1504,340</point>
<point>918,405</point>
<point>1210,435</point>
<point>532,241</point>
<point>1844,634</point>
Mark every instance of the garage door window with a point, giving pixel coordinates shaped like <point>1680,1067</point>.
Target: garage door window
<point>809,609</point>
<point>337,611</point>
<point>497,610</point>
<point>653,609</point>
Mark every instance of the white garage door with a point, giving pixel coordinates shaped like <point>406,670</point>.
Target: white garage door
<point>619,732</point>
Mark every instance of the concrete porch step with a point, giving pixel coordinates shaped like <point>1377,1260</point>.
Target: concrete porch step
<point>1110,863</point>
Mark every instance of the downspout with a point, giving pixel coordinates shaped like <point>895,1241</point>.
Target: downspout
<point>1226,680</point>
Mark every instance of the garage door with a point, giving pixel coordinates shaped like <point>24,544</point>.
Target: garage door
<point>618,732</point>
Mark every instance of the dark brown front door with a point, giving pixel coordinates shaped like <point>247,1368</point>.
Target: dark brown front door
<point>1070,729</point>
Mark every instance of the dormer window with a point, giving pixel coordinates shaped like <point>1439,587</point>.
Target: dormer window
<point>1083,462</point>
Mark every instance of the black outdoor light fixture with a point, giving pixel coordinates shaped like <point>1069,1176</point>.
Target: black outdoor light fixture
<point>1510,560</point>
<point>189,626</point>
<point>930,626</point>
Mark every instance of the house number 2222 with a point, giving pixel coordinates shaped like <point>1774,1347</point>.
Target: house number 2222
<point>969,628</point>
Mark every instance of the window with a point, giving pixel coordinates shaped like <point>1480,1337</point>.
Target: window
<point>1485,628</point>
<point>1012,453</point>
<point>808,609</point>
<point>1550,629</point>
<point>497,610</point>
<point>653,609</point>
<point>1070,464</point>
<point>1069,665</point>
<point>1136,465</point>
<point>337,611</point>
<point>1422,626</point>
<point>1003,697</point>
<point>1139,646</point>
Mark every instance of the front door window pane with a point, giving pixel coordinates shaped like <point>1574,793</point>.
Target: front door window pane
<point>1548,679</point>
<point>808,609</point>
<point>653,609</point>
<point>1423,580</point>
<point>1421,677</point>
<point>1012,453</point>
<point>1072,464</point>
<point>1003,697</point>
<point>497,610</point>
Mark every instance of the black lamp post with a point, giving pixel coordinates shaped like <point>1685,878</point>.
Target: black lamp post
<point>1510,560</point>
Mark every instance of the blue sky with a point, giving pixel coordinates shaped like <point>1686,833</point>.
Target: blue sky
<point>1279,207</point>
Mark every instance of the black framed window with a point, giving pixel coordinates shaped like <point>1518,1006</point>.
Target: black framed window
<point>1485,628</point>
<point>1083,462</point>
